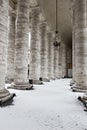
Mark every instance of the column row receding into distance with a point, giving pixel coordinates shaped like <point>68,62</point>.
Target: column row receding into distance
<point>4,93</point>
<point>44,57</point>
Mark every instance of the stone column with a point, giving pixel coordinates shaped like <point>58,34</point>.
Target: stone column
<point>56,58</point>
<point>69,62</point>
<point>50,55</point>
<point>43,51</point>
<point>73,57</point>
<point>4,93</point>
<point>72,82</point>
<point>35,47</point>
<point>53,72</point>
<point>81,45</point>
<point>63,58</point>
<point>21,46</point>
<point>58,75</point>
<point>11,49</point>
<point>60,62</point>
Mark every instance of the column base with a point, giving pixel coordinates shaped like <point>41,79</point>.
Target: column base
<point>45,80</point>
<point>84,101</point>
<point>72,82</point>
<point>58,77</point>
<point>78,88</point>
<point>37,82</point>
<point>26,86</point>
<point>5,97</point>
<point>9,81</point>
<point>52,78</point>
<point>55,78</point>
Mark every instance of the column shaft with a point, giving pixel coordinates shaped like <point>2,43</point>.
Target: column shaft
<point>80,28</point>
<point>43,51</point>
<point>58,75</point>
<point>35,46</point>
<point>60,61</point>
<point>50,56</point>
<point>63,56</point>
<point>73,49</point>
<point>69,62</point>
<point>11,49</point>
<point>21,46</point>
<point>56,61</point>
<point>4,94</point>
<point>3,40</point>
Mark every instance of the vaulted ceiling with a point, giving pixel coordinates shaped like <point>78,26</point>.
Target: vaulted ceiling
<point>64,16</point>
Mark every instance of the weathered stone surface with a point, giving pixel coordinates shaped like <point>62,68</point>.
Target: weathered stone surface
<point>58,75</point>
<point>3,41</point>
<point>73,48</point>
<point>35,46</point>
<point>43,51</point>
<point>3,45</point>
<point>6,98</point>
<point>1,2</point>
<point>50,55</point>
<point>11,48</point>
<point>69,62</point>
<point>21,46</point>
<point>80,32</point>
<point>56,62</point>
<point>62,60</point>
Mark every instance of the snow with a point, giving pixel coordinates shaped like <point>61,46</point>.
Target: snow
<point>52,106</point>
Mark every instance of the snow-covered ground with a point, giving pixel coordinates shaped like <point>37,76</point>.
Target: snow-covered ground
<point>52,106</point>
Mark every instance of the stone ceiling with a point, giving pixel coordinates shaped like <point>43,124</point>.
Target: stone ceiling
<point>64,16</point>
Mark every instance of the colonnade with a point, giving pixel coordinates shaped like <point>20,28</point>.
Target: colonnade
<point>44,56</point>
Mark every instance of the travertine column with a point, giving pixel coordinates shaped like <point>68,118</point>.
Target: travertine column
<point>69,62</point>
<point>81,44</point>
<point>53,75</point>
<point>58,75</point>
<point>35,47</point>
<point>43,51</point>
<point>56,51</point>
<point>63,58</point>
<point>21,46</point>
<point>4,94</point>
<point>11,49</point>
<point>60,61</point>
<point>74,56</point>
<point>50,55</point>
<point>73,48</point>
<point>73,45</point>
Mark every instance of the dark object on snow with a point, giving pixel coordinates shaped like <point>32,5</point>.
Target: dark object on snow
<point>30,81</point>
<point>84,101</point>
<point>40,79</point>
